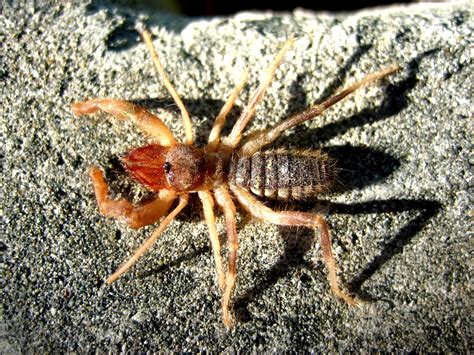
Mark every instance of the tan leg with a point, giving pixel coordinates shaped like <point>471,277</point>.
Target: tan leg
<point>188,129</point>
<point>225,202</point>
<point>236,134</point>
<point>215,135</point>
<point>183,201</point>
<point>124,110</point>
<point>135,216</point>
<point>256,142</point>
<point>289,218</point>
<point>208,206</point>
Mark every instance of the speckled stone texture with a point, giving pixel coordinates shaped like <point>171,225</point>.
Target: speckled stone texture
<point>400,219</point>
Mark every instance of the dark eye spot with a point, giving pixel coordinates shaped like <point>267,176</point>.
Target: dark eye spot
<point>167,167</point>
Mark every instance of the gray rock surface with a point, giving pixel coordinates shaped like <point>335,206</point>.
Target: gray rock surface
<point>400,225</point>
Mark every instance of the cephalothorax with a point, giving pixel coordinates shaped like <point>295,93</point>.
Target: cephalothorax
<point>224,169</point>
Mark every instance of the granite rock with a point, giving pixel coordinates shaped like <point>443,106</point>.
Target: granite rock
<point>399,220</point>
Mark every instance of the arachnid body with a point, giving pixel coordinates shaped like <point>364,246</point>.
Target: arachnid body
<point>227,169</point>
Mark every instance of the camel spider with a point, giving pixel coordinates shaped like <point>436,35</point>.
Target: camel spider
<point>223,170</point>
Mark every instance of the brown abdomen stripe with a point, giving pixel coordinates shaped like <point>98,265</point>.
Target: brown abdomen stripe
<point>283,174</point>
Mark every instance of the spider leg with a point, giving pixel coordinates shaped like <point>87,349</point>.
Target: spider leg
<point>290,218</point>
<point>135,216</point>
<point>125,110</point>
<point>208,206</point>
<point>188,128</point>
<point>215,135</point>
<point>259,140</point>
<point>183,201</point>
<point>225,202</point>
<point>236,134</point>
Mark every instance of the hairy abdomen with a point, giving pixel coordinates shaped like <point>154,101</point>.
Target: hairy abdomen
<point>296,175</point>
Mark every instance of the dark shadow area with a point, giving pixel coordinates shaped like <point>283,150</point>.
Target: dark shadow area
<point>219,8</point>
<point>395,100</point>
<point>298,93</point>
<point>124,36</point>
<point>183,258</point>
<point>299,241</point>
<point>358,167</point>
<point>216,7</point>
<point>341,74</point>
<point>120,182</point>
<point>394,244</point>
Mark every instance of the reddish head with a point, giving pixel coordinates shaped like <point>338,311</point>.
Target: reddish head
<point>179,168</point>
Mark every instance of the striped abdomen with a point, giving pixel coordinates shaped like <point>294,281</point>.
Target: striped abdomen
<point>279,174</point>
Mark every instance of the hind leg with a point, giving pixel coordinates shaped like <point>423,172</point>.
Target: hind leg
<point>261,139</point>
<point>290,218</point>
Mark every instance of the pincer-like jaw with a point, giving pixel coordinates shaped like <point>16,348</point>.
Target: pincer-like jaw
<point>180,168</point>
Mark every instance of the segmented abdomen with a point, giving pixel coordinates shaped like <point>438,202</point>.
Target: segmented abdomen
<point>284,175</point>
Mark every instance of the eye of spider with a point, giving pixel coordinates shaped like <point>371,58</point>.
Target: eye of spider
<point>167,167</point>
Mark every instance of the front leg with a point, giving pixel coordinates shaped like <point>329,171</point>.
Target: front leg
<point>135,216</point>
<point>124,110</point>
<point>290,218</point>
